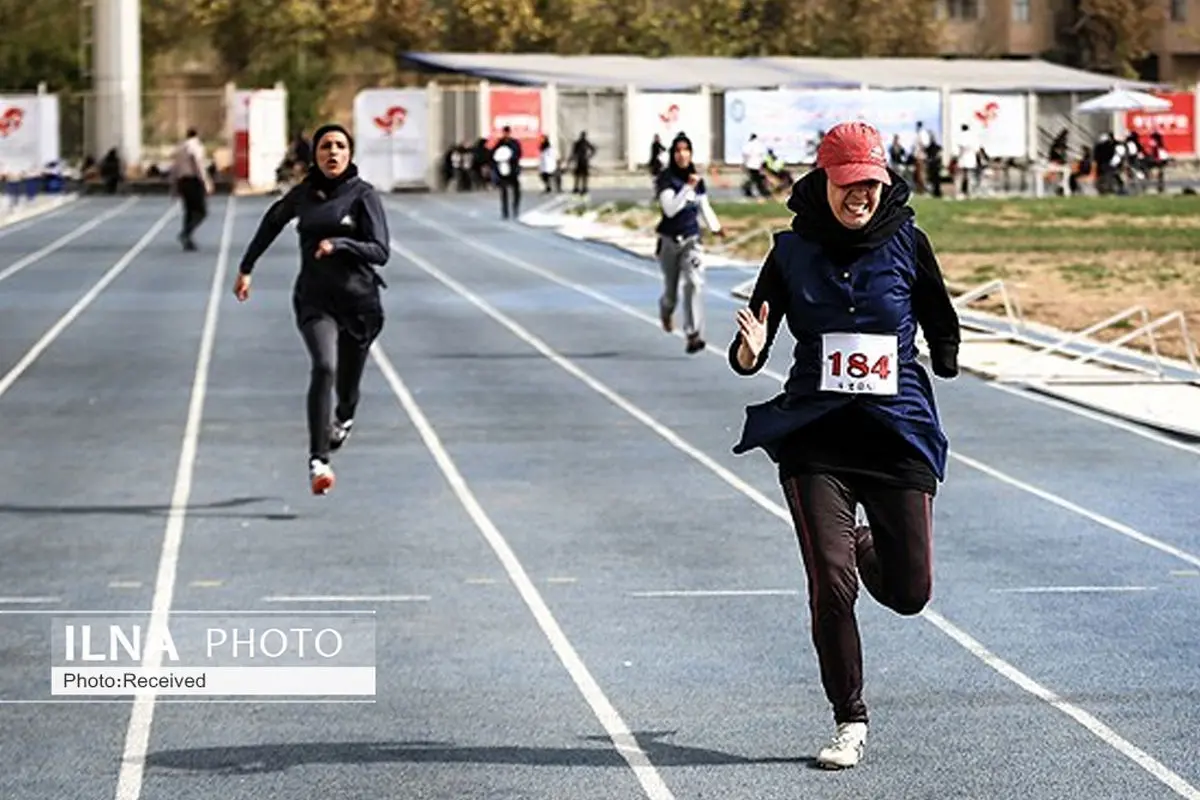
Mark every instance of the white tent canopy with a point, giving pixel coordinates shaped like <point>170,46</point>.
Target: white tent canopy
<point>1123,100</point>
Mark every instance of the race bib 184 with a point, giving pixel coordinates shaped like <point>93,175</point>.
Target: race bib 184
<point>859,363</point>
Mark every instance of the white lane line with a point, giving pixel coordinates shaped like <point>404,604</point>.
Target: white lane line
<point>66,319</point>
<point>64,240</point>
<point>29,222</point>
<point>1072,589</point>
<point>620,734</point>
<point>1155,768</point>
<point>718,593</point>
<point>600,297</point>
<point>137,736</point>
<point>32,600</point>
<point>1075,508</point>
<point>1088,721</point>
<point>1095,416</point>
<point>624,263</point>
<point>348,598</point>
<point>1185,573</point>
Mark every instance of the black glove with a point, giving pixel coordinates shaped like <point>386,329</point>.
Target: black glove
<point>944,359</point>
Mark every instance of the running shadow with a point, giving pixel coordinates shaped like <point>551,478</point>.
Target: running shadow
<point>280,757</point>
<point>200,510</point>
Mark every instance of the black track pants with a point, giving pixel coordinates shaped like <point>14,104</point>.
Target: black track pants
<point>893,557</point>
<point>338,348</point>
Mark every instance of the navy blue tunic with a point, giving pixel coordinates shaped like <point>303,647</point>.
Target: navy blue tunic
<point>889,289</point>
<point>687,221</point>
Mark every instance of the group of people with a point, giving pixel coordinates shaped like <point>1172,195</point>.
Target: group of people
<point>483,165</point>
<point>855,423</point>
<point>1117,166</point>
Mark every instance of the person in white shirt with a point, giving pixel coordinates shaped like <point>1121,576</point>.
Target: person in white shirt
<point>191,183</point>
<point>684,199</point>
<point>548,165</point>
<point>753,156</point>
<point>967,159</point>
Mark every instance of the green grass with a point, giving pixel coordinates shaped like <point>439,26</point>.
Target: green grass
<point>1054,224</point>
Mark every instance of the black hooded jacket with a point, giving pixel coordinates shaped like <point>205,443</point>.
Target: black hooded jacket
<point>345,210</point>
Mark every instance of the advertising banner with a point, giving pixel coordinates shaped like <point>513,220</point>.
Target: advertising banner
<point>1178,126</point>
<point>260,135</point>
<point>29,135</point>
<point>666,114</point>
<point>391,133</point>
<point>521,110</point>
<point>790,121</point>
<point>999,123</point>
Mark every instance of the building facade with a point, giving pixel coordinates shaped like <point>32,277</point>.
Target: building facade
<point>1039,28</point>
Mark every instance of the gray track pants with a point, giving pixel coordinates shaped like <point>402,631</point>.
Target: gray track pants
<point>682,259</point>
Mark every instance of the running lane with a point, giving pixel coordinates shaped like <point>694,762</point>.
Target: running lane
<point>472,702</point>
<point>93,429</point>
<point>43,271</point>
<point>993,538</point>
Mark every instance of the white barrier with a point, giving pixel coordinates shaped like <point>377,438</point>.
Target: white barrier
<point>29,133</point>
<point>392,137</point>
<point>260,135</point>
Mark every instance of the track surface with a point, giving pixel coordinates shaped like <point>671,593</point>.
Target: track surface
<point>589,471</point>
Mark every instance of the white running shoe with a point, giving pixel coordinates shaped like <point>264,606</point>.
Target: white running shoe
<point>846,749</point>
<point>339,432</point>
<point>320,475</point>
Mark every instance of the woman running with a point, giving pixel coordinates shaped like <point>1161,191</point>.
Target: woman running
<point>683,197</point>
<point>336,299</point>
<point>856,422</point>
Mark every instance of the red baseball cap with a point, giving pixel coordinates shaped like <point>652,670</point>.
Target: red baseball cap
<point>852,152</point>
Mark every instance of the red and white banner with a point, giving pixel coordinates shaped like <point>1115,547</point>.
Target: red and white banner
<point>999,123</point>
<point>1178,126</point>
<point>666,114</point>
<point>391,137</point>
<point>521,110</point>
<point>260,135</point>
<point>29,135</point>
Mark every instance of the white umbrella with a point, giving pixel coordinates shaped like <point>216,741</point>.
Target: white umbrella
<point>1123,100</point>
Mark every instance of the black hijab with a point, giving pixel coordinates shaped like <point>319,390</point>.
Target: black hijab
<point>673,168</point>
<point>316,178</point>
<point>815,221</point>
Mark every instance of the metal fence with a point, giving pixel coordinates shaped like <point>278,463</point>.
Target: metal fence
<point>166,117</point>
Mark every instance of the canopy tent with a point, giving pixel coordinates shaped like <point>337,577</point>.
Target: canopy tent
<point>689,73</point>
<point>681,74</point>
<point>1119,100</point>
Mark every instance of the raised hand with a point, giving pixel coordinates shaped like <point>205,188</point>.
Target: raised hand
<point>753,329</point>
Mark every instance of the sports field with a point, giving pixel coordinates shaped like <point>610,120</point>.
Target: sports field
<point>1070,261</point>
<point>578,592</point>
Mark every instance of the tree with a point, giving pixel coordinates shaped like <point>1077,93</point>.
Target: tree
<point>1110,35</point>
<point>40,42</point>
<point>493,26</point>
<point>399,25</point>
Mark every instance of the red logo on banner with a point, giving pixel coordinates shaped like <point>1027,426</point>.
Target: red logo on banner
<point>11,120</point>
<point>671,115</point>
<point>392,120</point>
<point>520,110</point>
<point>988,113</point>
<point>1176,125</point>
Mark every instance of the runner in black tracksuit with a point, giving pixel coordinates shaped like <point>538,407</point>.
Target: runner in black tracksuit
<point>343,239</point>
